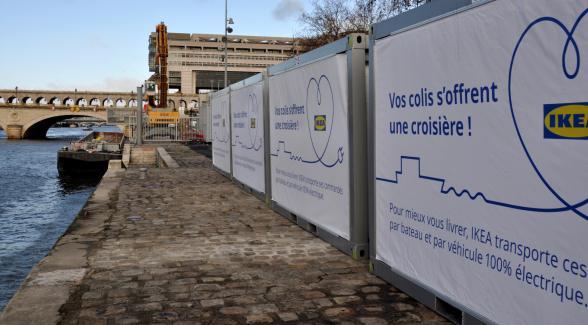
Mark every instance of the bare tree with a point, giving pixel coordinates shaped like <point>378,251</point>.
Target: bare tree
<point>330,20</point>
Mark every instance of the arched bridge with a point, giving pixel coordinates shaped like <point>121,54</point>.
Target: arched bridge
<point>28,114</point>
<point>33,122</point>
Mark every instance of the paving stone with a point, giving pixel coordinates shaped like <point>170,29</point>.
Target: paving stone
<point>409,318</point>
<point>399,306</point>
<point>166,316</point>
<point>338,311</point>
<point>92,295</point>
<point>346,299</point>
<point>312,294</point>
<point>370,289</point>
<point>322,302</point>
<point>342,292</point>
<point>263,308</point>
<point>212,303</point>
<point>88,313</point>
<point>259,319</point>
<point>372,297</point>
<point>127,320</point>
<point>246,300</point>
<point>374,309</point>
<point>288,317</point>
<point>223,321</point>
<point>372,321</point>
<point>152,306</point>
<point>235,310</point>
<point>115,310</point>
<point>310,315</point>
<point>207,287</point>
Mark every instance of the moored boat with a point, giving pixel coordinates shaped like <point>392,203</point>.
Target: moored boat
<point>90,155</point>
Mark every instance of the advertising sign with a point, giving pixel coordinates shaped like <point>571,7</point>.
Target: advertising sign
<point>221,146</point>
<point>248,149</point>
<point>309,143</point>
<point>481,159</point>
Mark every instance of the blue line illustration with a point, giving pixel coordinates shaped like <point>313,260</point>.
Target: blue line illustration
<point>473,197</point>
<point>317,84</point>
<point>243,146</point>
<point>569,42</point>
<point>320,158</point>
<point>223,140</point>
<point>292,156</point>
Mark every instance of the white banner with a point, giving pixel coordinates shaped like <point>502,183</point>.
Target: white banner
<point>247,124</point>
<point>481,159</point>
<point>309,143</point>
<point>221,146</point>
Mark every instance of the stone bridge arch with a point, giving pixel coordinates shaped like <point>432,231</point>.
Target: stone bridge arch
<point>41,100</point>
<point>37,127</point>
<point>33,122</point>
<point>27,100</point>
<point>55,101</point>
<point>81,102</point>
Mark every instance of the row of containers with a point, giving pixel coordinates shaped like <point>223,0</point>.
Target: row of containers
<point>448,146</point>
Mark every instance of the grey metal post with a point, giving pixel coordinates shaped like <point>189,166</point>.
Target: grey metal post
<point>356,80</point>
<point>226,42</point>
<point>266,141</point>
<point>230,133</point>
<point>139,126</point>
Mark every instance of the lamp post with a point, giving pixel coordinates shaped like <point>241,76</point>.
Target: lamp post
<point>16,101</point>
<point>228,30</point>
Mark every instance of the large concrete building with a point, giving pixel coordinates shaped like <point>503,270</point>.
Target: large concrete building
<point>196,61</point>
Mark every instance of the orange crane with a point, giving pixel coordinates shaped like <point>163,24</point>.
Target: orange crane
<point>161,62</point>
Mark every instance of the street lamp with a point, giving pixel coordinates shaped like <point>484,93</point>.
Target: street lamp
<point>228,30</point>
<point>16,101</point>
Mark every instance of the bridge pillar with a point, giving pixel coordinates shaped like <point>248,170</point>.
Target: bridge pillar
<point>14,132</point>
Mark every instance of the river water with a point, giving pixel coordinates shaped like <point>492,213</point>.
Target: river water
<point>36,204</point>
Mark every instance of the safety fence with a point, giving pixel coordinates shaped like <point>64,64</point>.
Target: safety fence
<point>181,129</point>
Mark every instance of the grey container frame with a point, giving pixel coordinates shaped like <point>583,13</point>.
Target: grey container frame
<point>354,46</point>
<point>255,79</point>
<point>430,12</point>
<point>223,92</point>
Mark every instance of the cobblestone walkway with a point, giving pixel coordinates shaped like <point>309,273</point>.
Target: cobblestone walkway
<point>186,246</point>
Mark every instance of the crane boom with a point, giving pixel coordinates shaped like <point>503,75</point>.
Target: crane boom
<point>161,57</point>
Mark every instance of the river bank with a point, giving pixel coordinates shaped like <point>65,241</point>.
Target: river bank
<point>185,245</point>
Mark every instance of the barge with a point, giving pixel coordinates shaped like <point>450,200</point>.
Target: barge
<point>90,155</point>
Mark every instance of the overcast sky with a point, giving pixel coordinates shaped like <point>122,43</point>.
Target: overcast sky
<point>102,44</point>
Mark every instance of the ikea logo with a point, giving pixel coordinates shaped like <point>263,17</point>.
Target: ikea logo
<point>252,123</point>
<point>565,121</point>
<point>320,122</point>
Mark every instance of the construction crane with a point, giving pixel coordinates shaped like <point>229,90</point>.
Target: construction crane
<point>161,62</point>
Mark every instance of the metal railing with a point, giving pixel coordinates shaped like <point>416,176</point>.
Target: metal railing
<point>183,129</point>
<point>120,115</point>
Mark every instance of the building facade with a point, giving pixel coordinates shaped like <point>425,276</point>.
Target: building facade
<point>196,61</point>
